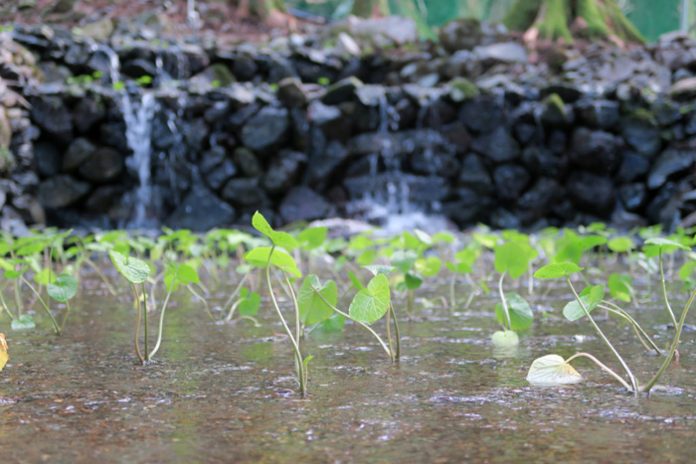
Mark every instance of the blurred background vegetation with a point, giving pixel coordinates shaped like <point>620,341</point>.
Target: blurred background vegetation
<point>652,17</point>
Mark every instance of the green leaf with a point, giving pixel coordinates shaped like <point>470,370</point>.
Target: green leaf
<point>23,322</point>
<point>312,308</point>
<point>429,266</point>
<point>621,244</point>
<point>134,270</point>
<point>379,269</point>
<point>513,258</point>
<point>552,370</point>
<point>259,257</point>
<point>412,281</point>
<point>521,315</point>
<point>279,239</point>
<point>63,289</point>
<point>355,281</point>
<point>686,272</point>
<point>590,296</point>
<point>249,303</point>
<point>557,270</point>
<point>653,246</point>
<point>333,324</point>
<point>620,287</point>
<point>312,237</point>
<point>505,339</point>
<point>370,304</point>
<point>45,276</point>
<point>177,274</point>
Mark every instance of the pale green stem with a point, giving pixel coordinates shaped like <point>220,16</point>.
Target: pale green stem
<point>234,293</point>
<point>604,337</point>
<point>138,312</point>
<point>205,303</point>
<point>295,345</point>
<point>5,307</point>
<point>101,275</point>
<point>604,367</point>
<point>664,290</point>
<point>506,309</point>
<point>65,316</point>
<point>145,341</point>
<point>56,327</point>
<point>298,325</point>
<point>365,326</point>
<point>675,344</point>
<point>161,324</point>
<point>397,333</point>
<point>642,335</point>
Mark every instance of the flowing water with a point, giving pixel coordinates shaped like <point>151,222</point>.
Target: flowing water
<point>225,393</point>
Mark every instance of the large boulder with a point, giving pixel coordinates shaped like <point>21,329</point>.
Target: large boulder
<point>244,192</point>
<point>77,153</point>
<point>266,130</point>
<point>51,115</point>
<point>592,193</point>
<point>596,151</point>
<point>104,165</point>
<point>283,171</point>
<point>641,132</point>
<point>201,210</point>
<point>303,204</point>
<point>499,146</point>
<point>670,162</point>
<point>510,181</point>
<point>61,191</point>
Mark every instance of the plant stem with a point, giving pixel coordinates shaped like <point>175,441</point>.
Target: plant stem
<point>604,367</point>
<point>365,326</point>
<point>205,303</point>
<point>604,337</point>
<point>504,301</point>
<point>675,344</point>
<point>138,310</point>
<point>298,325</point>
<point>101,275</point>
<point>453,299</point>
<point>664,290</point>
<point>295,344</point>
<point>397,333</point>
<point>56,327</point>
<point>145,342</point>
<point>233,294</point>
<point>65,316</point>
<point>161,324</point>
<point>5,307</point>
<point>642,335</point>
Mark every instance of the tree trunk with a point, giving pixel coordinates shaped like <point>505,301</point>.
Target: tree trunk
<point>555,19</point>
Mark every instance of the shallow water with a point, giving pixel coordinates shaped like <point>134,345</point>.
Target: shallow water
<point>225,393</point>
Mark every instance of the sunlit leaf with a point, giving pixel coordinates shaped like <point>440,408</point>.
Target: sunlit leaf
<point>279,238</point>
<point>310,300</point>
<point>312,237</point>
<point>521,315</point>
<point>263,256</point>
<point>620,287</point>
<point>513,258</point>
<point>621,244</point>
<point>23,322</point>
<point>176,274</point>
<point>133,269</point>
<point>552,370</point>
<point>249,302</point>
<point>590,296</point>
<point>505,339</point>
<point>557,270</point>
<point>63,288</point>
<point>371,303</point>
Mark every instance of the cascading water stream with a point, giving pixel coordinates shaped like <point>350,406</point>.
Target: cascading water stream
<point>138,117</point>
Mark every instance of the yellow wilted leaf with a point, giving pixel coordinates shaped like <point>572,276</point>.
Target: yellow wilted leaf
<point>4,357</point>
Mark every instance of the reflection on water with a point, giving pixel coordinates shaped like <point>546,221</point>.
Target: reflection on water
<point>225,393</point>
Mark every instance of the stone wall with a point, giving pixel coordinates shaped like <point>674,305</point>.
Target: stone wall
<point>475,129</point>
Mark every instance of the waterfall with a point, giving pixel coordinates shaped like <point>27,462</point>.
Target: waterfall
<point>138,118</point>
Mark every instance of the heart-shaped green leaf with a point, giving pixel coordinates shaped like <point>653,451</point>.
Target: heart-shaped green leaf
<point>653,246</point>
<point>279,239</point>
<point>313,309</point>
<point>513,258</point>
<point>312,237</point>
<point>620,287</point>
<point>259,257</point>
<point>521,315</point>
<point>590,296</point>
<point>249,303</point>
<point>505,339</point>
<point>622,244</point>
<point>134,270</point>
<point>370,304</point>
<point>176,274</point>
<point>63,288</point>
<point>552,370</point>
<point>557,270</point>
<point>23,322</point>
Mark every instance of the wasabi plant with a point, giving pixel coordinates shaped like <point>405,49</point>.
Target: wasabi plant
<point>275,256</point>
<point>552,370</point>
<point>512,258</point>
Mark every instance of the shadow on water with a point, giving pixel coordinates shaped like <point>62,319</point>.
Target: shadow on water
<point>225,393</point>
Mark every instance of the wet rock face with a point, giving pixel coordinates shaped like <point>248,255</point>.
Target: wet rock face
<point>514,144</point>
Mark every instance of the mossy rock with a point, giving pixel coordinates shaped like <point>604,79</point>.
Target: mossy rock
<point>554,111</point>
<point>462,89</point>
